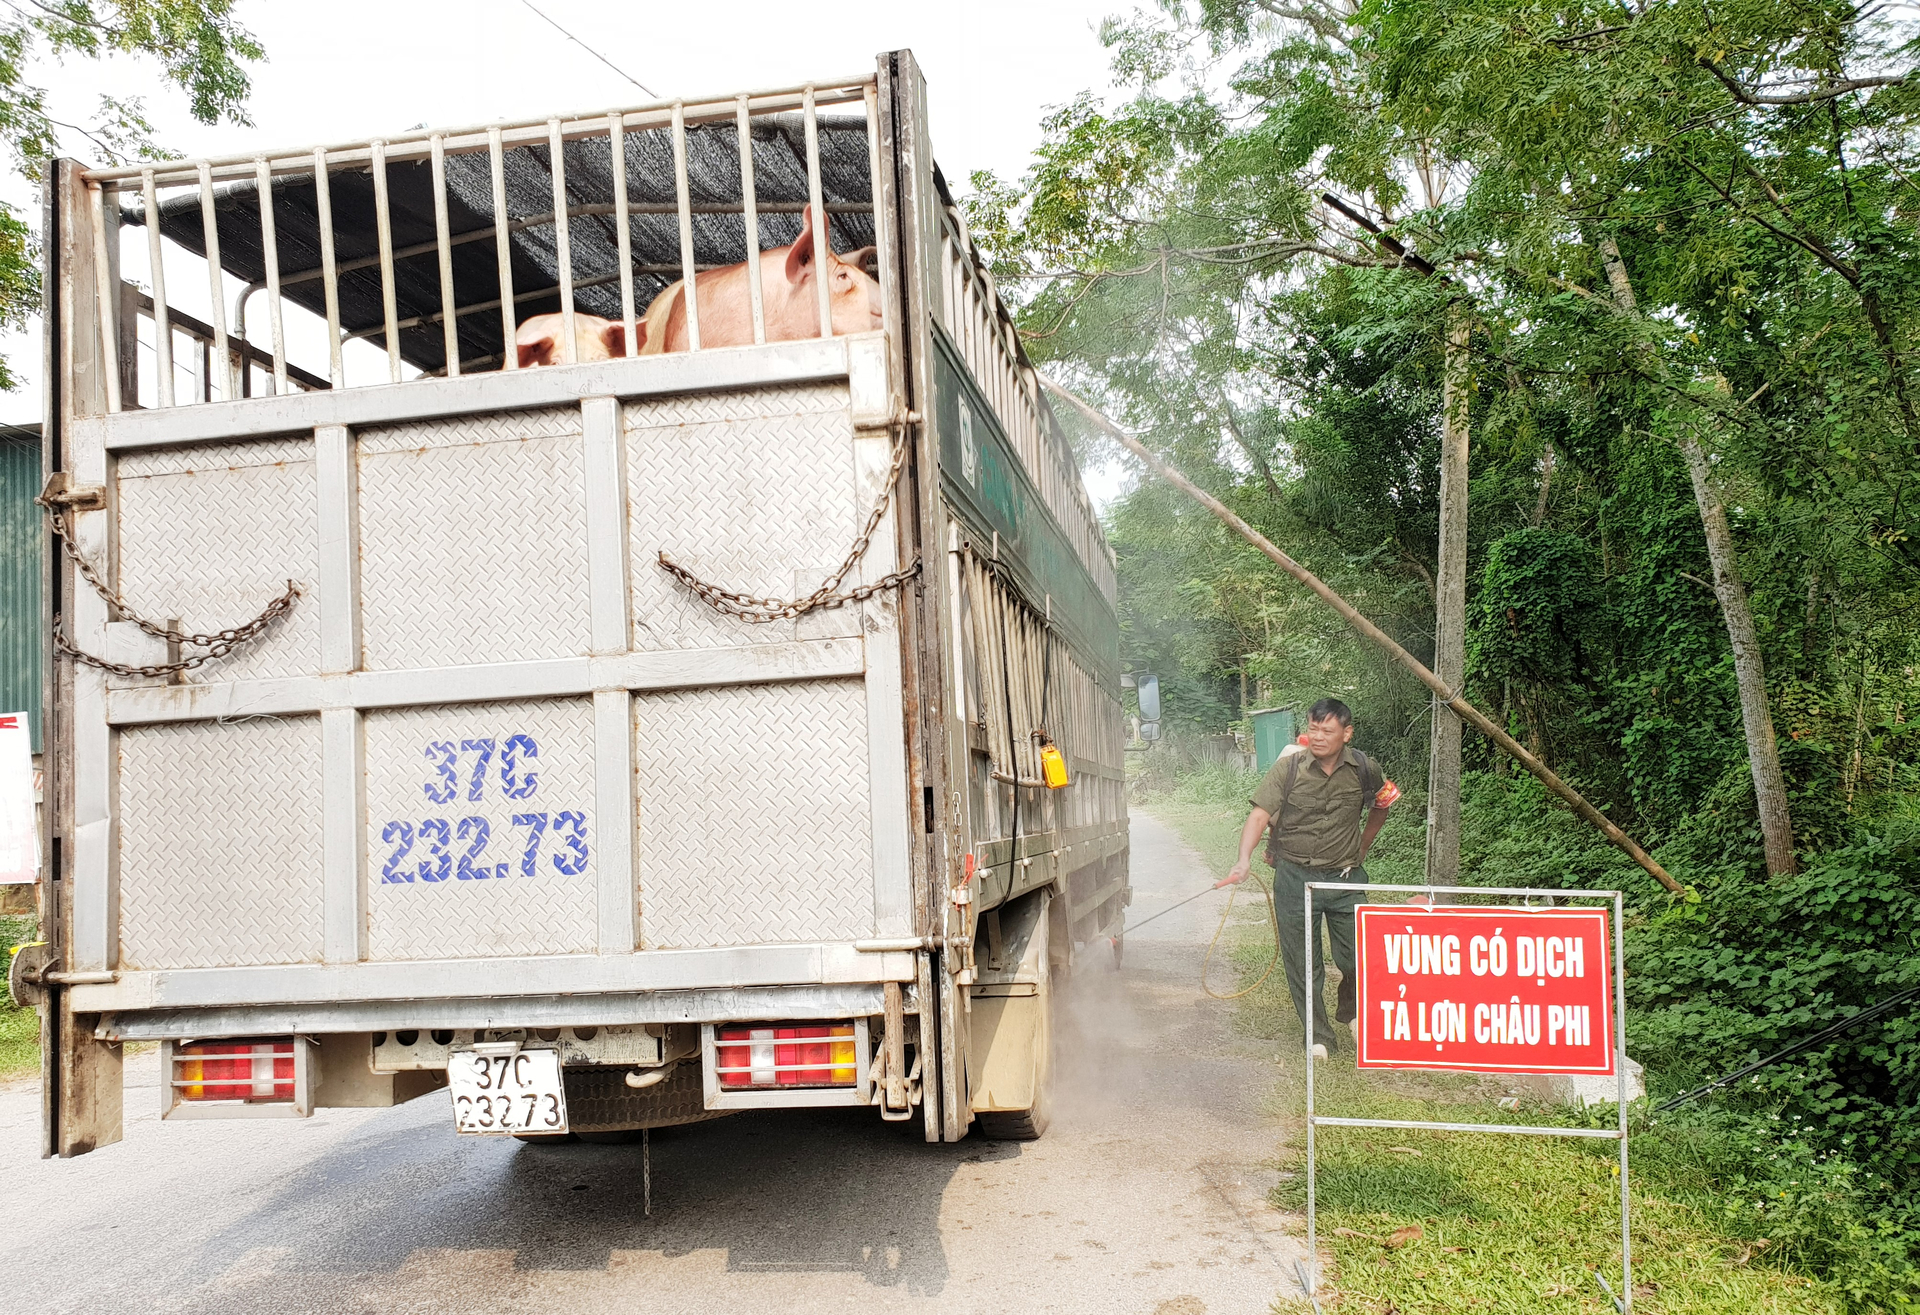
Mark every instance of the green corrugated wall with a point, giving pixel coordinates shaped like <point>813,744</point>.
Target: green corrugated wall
<point>20,541</point>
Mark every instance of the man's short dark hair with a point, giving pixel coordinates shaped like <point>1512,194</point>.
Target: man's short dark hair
<point>1333,708</point>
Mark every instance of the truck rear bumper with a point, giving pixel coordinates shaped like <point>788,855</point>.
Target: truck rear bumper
<point>711,1005</point>
<point>822,963</point>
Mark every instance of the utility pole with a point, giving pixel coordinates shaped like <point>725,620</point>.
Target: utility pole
<point>1450,610</point>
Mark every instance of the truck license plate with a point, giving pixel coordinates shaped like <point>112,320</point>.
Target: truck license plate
<point>517,1093</point>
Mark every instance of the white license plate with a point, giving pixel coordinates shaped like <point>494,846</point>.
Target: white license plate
<point>517,1093</point>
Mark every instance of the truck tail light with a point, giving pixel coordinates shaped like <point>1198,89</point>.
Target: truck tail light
<point>234,1070</point>
<point>809,1055</point>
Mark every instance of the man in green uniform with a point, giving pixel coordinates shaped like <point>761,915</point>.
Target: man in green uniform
<point>1314,802</point>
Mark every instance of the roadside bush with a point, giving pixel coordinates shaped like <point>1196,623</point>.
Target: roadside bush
<point>13,931</point>
<point>1760,963</point>
<point>1800,1208</point>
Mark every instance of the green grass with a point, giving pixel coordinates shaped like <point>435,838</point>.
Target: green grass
<point>19,1042</point>
<point>1507,1224</point>
<point>19,1028</point>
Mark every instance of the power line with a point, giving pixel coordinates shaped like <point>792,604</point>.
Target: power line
<point>591,51</point>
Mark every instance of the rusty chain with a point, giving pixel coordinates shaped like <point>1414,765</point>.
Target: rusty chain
<point>218,644</point>
<point>758,611</point>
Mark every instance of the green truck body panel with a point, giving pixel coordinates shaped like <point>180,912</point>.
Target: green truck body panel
<point>990,490</point>
<point>21,568</point>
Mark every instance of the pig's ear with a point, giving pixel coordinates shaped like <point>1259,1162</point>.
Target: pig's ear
<point>800,254</point>
<point>866,260</point>
<point>614,337</point>
<point>535,344</point>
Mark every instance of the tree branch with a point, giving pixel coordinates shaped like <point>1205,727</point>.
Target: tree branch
<point>1748,96</point>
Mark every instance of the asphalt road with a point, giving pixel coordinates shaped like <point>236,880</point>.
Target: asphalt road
<point>1147,1195</point>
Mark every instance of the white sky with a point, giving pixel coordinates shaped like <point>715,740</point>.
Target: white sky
<point>351,69</point>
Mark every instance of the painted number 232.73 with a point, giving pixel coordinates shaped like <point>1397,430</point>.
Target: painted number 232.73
<point>457,848</point>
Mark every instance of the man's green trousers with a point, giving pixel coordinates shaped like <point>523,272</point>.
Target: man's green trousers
<point>1335,907</point>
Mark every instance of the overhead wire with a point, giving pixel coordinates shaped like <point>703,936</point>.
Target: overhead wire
<point>589,49</point>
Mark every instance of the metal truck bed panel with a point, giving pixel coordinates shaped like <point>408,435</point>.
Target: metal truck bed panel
<point>540,744</point>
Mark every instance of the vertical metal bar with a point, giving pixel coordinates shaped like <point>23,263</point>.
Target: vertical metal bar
<point>562,238</point>
<point>617,144</point>
<point>1313,1252</point>
<point>750,213</point>
<point>1620,1062</point>
<point>383,222</point>
<point>216,278</point>
<point>683,197</point>
<point>822,240</point>
<point>109,297</point>
<point>503,250</point>
<point>162,328</point>
<point>443,242</point>
<point>329,274</point>
<point>270,254</point>
<point>342,738</point>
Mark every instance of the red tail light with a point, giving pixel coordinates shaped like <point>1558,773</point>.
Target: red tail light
<point>234,1070</point>
<point>812,1055</point>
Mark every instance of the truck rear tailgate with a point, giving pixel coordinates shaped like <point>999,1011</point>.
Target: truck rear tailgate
<point>493,729</point>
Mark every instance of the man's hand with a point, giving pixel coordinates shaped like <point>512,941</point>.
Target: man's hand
<point>1236,876</point>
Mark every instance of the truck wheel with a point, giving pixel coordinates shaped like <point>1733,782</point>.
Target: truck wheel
<point>1031,1123</point>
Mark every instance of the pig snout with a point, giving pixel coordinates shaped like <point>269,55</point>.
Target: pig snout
<point>540,340</point>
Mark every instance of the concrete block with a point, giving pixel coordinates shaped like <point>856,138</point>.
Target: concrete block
<point>1585,1091</point>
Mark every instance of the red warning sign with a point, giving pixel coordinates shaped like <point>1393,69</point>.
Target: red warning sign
<point>1485,990</point>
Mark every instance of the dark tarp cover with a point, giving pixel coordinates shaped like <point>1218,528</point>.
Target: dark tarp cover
<point>713,178</point>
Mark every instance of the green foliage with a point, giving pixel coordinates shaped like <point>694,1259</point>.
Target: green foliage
<point>19,1028</point>
<point>1663,224</point>
<point>1757,964</point>
<point>1539,619</point>
<point>201,48</point>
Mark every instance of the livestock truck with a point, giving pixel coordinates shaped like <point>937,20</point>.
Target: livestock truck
<point>615,743</point>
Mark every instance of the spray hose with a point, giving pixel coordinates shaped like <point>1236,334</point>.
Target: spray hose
<point>1212,945</point>
<point>1273,920</point>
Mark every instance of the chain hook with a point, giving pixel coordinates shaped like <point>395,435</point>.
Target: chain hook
<point>758,611</point>
<point>218,644</point>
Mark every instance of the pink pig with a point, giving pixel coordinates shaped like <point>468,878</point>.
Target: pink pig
<point>539,340</point>
<point>789,302</point>
<point>789,299</point>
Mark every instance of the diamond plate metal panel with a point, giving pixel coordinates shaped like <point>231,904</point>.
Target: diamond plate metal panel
<point>463,431</point>
<point>220,844</point>
<point>754,814</point>
<point>211,534</point>
<point>473,540</point>
<point>450,874</point>
<point>752,490</point>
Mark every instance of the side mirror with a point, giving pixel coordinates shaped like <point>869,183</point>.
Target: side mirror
<point>1148,687</point>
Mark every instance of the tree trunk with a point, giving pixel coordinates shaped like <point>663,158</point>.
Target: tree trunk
<point>1368,630</point>
<point>1450,613</point>
<point>1749,669</point>
<point>1546,482</point>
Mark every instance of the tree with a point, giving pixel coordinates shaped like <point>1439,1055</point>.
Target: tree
<point>1680,231</point>
<point>200,48</point>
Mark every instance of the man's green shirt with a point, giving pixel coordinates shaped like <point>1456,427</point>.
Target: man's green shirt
<point>1319,825</point>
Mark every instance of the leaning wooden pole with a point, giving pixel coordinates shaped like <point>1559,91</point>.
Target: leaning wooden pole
<point>1466,711</point>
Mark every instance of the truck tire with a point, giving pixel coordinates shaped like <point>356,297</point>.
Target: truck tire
<point>1029,1124</point>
